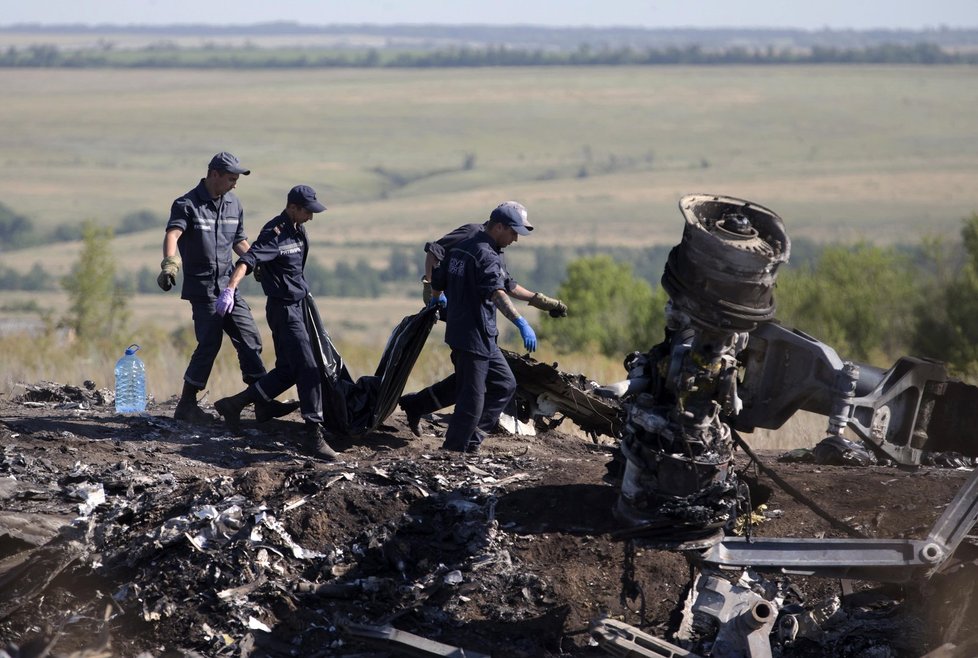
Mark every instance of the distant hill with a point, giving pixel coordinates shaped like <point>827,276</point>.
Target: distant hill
<point>524,37</point>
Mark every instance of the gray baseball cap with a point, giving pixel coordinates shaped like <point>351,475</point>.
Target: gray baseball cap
<point>225,161</point>
<point>512,214</point>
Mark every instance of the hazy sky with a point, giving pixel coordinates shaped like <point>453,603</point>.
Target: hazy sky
<point>805,14</point>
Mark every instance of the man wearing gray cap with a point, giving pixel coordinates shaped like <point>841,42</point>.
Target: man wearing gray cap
<point>282,248</point>
<point>474,278</point>
<point>206,226</point>
<point>442,394</point>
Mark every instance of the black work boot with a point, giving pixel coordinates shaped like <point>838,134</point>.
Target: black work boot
<point>230,408</point>
<point>314,443</point>
<point>265,410</point>
<point>187,408</point>
<point>413,419</point>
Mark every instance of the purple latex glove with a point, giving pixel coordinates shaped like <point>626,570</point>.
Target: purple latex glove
<point>225,302</point>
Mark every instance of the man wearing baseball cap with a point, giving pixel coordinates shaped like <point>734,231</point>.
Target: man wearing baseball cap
<point>473,277</point>
<point>206,227</point>
<point>282,248</point>
<point>441,394</point>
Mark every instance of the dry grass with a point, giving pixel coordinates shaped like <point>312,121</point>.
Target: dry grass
<point>31,357</point>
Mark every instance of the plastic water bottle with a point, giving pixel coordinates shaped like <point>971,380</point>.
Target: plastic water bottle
<point>130,382</point>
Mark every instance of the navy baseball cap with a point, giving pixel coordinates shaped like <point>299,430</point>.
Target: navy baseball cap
<point>225,161</point>
<point>305,197</point>
<point>512,214</point>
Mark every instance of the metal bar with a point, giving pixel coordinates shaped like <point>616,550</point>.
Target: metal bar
<point>883,560</point>
<point>958,519</point>
<point>405,643</point>
<point>620,639</point>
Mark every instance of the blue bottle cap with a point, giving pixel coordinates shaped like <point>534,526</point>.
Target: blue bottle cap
<point>132,349</point>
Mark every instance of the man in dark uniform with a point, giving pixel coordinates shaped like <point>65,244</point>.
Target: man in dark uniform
<point>282,248</point>
<point>442,394</point>
<point>473,277</point>
<point>206,224</point>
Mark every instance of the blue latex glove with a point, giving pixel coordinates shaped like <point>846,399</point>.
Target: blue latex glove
<point>225,302</point>
<point>438,300</point>
<point>526,331</point>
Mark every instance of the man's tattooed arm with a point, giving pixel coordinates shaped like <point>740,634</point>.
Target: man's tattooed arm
<point>504,304</point>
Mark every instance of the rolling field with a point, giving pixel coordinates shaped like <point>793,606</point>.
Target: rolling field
<point>600,156</point>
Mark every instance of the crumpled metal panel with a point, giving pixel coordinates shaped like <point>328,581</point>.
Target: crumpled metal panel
<point>571,395</point>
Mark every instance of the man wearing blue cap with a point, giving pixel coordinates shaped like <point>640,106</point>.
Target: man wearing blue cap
<point>442,394</point>
<point>206,225</point>
<point>474,278</point>
<point>282,248</point>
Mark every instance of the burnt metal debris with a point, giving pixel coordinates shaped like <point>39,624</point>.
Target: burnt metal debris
<point>678,482</point>
<point>880,560</point>
<point>65,395</point>
<point>405,643</point>
<point>910,414</point>
<point>226,558</point>
<point>727,365</point>
<point>544,391</point>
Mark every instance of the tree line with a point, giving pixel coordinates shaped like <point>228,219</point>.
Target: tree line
<point>166,55</point>
<point>871,304</point>
<point>18,231</point>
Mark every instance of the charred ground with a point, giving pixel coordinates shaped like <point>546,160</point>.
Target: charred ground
<point>217,544</point>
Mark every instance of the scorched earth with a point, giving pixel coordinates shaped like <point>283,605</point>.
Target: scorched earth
<point>141,535</point>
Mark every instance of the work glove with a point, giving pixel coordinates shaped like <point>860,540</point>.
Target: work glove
<point>225,302</point>
<point>555,307</point>
<point>526,331</point>
<point>426,291</point>
<point>438,300</point>
<point>168,272</point>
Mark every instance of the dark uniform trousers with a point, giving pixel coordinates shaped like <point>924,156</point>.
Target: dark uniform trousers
<point>295,362</point>
<point>209,329</point>
<point>439,395</point>
<point>484,387</point>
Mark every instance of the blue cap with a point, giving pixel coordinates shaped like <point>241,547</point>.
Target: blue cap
<point>512,214</point>
<point>305,197</point>
<point>225,161</point>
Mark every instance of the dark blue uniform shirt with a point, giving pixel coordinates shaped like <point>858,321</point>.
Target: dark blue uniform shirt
<point>211,228</point>
<point>281,248</point>
<point>471,273</point>
<point>440,248</point>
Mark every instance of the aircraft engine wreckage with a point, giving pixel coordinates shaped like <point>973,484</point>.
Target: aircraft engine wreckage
<point>726,365</point>
<point>676,443</point>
